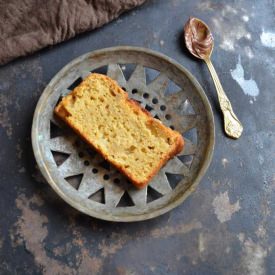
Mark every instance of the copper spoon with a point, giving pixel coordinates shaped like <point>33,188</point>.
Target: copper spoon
<point>200,43</point>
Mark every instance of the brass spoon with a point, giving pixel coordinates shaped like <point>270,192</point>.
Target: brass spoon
<point>200,43</point>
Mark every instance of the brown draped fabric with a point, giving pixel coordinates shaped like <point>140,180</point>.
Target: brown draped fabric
<point>29,25</point>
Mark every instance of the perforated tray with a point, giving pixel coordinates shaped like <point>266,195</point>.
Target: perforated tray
<point>83,178</point>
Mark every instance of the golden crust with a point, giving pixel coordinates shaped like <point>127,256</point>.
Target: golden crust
<point>63,113</point>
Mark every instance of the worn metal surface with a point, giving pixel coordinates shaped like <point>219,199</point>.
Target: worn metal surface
<point>226,227</point>
<point>172,95</point>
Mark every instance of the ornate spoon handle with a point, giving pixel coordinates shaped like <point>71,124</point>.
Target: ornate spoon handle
<point>232,125</point>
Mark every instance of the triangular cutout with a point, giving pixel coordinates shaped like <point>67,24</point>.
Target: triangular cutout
<point>186,108</point>
<point>55,131</point>
<point>59,157</point>
<point>59,100</point>
<point>125,200</point>
<point>98,196</point>
<point>172,88</point>
<point>148,108</point>
<point>192,135</point>
<point>127,70</point>
<point>157,117</point>
<point>151,75</point>
<point>186,159</point>
<point>101,70</point>
<point>174,179</point>
<point>75,83</point>
<point>106,165</point>
<point>75,180</point>
<point>152,194</point>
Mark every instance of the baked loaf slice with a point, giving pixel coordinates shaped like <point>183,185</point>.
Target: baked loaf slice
<point>118,128</point>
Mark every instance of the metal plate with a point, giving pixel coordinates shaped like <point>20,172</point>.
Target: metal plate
<point>87,182</point>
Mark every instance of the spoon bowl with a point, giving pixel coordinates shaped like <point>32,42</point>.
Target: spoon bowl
<point>198,38</point>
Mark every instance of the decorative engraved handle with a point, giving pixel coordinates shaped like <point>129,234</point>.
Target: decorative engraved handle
<point>232,125</point>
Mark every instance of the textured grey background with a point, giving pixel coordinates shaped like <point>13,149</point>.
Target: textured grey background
<point>226,227</point>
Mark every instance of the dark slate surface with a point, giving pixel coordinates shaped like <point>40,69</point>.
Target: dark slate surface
<point>226,227</point>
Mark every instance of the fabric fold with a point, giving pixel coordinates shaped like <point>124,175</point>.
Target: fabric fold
<point>29,25</point>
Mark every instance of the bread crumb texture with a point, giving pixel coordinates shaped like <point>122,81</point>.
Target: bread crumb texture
<point>117,127</point>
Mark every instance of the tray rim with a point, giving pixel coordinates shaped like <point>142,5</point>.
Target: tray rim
<point>130,218</point>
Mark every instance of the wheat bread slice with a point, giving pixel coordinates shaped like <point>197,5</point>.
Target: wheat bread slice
<point>124,133</point>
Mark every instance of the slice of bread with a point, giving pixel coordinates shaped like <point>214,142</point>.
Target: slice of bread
<point>119,128</point>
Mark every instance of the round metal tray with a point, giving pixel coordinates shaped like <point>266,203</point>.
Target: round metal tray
<point>83,178</point>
